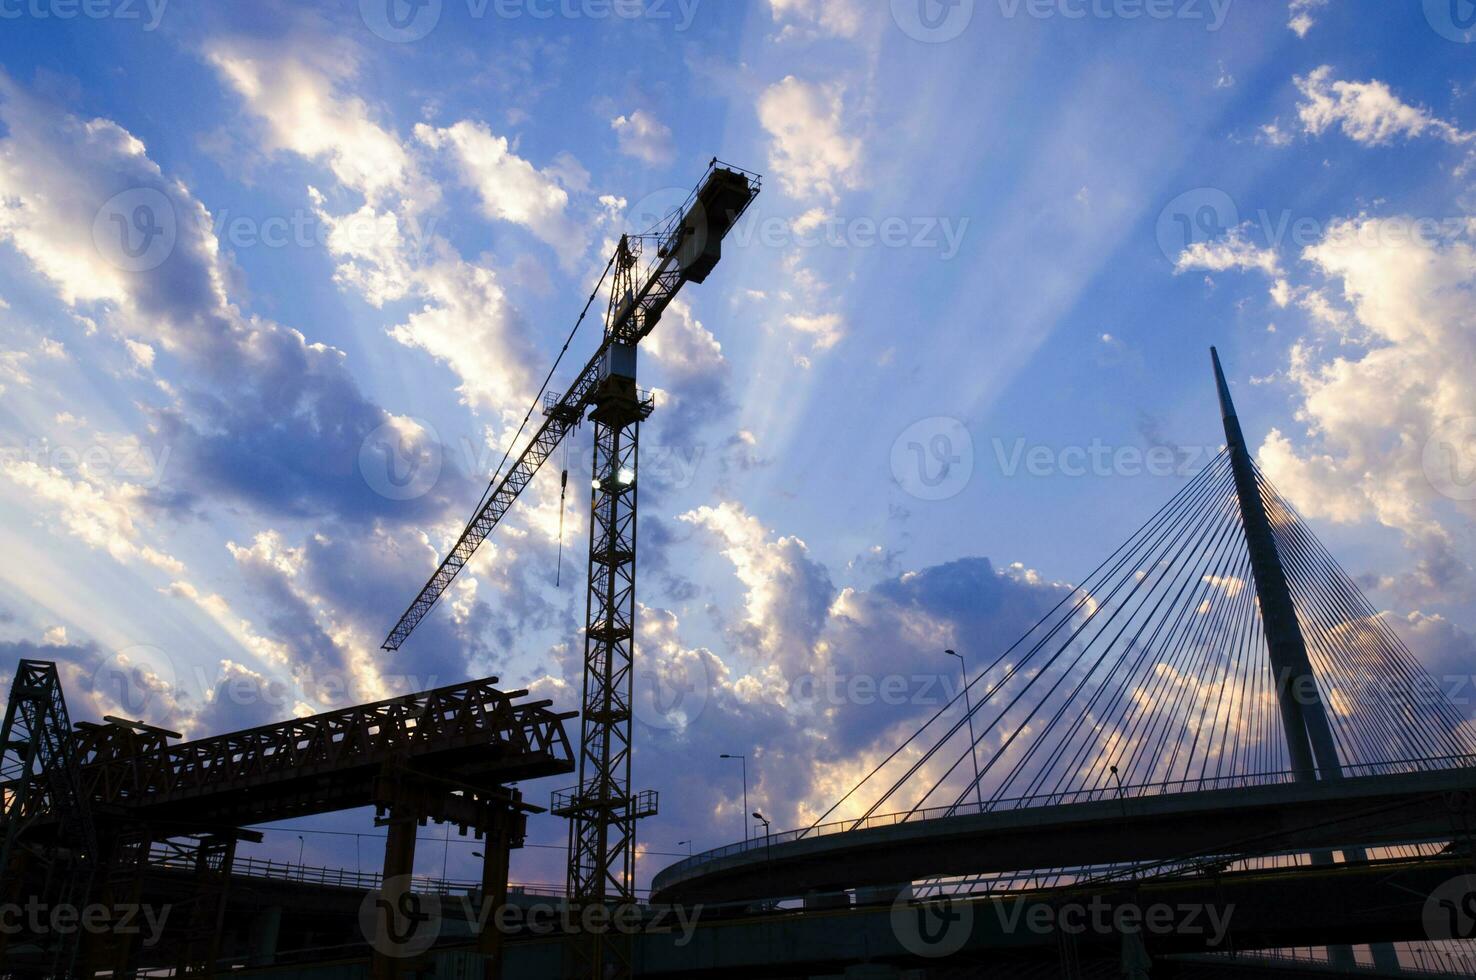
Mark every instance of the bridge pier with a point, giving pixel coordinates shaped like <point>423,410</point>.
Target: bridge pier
<point>406,799</point>
<point>266,931</point>
<point>394,890</point>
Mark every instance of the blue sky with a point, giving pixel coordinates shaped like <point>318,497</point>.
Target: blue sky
<point>1006,240</point>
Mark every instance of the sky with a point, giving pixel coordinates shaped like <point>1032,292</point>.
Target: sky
<point>279,281</point>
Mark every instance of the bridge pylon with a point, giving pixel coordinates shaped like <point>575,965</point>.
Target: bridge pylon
<point>1309,736</point>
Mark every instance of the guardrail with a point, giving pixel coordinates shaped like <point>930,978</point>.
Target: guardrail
<point>266,868</point>
<point>1096,794</point>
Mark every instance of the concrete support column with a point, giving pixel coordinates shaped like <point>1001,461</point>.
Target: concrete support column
<point>496,854</point>
<point>394,889</point>
<point>266,930</point>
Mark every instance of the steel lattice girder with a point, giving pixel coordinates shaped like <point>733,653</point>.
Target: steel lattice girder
<point>326,762</point>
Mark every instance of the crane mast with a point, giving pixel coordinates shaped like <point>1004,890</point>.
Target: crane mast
<point>602,809</point>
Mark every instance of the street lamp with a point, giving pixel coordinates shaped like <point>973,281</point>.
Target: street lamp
<point>767,833</point>
<point>1120,800</point>
<point>969,709</point>
<point>743,759</point>
<point>689,845</point>
<point>299,853</point>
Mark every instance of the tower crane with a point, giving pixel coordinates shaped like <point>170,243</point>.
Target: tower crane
<point>601,809</point>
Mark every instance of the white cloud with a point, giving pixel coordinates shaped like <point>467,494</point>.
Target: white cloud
<point>683,344</point>
<point>239,629</point>
<point>1395,374</point>
<point>1272,134</point>
<point>1300,14</point>
<point>1233,252</point>
<point>104,517</point>
<point>300,92</point>
<point>810,150</point>
<point>810,220</point>
<point>787,594</point>
<point>510,188</point>
<point>13,367</point>
<point>386,249</point>
<point>1367,112</point>
<point>824,329</point>
<point>468,325</point>
<point>643,136</point>
<point>836,18</point>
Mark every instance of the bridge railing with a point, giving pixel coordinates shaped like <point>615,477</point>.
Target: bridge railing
<point>1063,798</point>
<point>266,868</point>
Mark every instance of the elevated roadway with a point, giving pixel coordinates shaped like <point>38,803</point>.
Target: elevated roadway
<point>1360,811</point>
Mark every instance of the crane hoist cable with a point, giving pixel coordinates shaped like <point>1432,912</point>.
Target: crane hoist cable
<point>492,483</point>
<point>563,492</point>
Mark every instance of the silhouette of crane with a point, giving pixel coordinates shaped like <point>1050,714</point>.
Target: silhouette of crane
<point>602,810</point>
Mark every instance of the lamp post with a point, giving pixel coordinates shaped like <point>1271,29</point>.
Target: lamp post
<point>1121,802</point>
<point>689,845</point>
<point>743,759</point>
<point>299,854</point>
<point>969,709</point>
<point>768,833</point>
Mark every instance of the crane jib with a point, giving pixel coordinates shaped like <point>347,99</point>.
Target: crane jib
<point>689,248</point>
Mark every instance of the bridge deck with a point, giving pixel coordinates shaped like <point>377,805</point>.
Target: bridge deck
<point>1367,811</point>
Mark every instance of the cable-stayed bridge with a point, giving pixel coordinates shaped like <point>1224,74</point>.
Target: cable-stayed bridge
<point>1217,697</point>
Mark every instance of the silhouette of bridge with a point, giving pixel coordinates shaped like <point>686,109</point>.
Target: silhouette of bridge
<point>1218,697</point>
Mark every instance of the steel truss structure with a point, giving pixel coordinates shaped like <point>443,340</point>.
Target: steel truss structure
<point>86,807</point>
<point>602,809</point>
<point>39,778</point>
